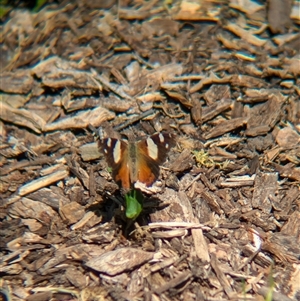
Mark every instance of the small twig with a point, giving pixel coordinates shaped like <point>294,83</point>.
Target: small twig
<point>192,182</point>
<point>168,114</point>
<point>133,120</point>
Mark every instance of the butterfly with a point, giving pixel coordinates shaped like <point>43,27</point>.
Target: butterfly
<point>136,161</point>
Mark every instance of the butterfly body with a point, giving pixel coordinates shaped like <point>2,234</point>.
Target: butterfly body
<point>136,161</point>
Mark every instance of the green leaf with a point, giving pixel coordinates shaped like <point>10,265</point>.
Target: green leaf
<point>134,200</point>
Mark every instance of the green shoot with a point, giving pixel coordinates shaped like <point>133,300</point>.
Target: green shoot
<point>134,200</point>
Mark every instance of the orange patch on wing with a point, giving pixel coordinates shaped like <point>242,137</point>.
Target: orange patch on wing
<point>145,174</point>
<point>123,176</point>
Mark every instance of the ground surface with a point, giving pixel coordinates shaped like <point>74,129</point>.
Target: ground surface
<point>222,222</point>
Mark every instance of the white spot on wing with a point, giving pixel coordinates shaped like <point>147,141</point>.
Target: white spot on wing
<point>152,149</point>
<point>108,143</point>
<point>161,138</point>
<point>117,151</point>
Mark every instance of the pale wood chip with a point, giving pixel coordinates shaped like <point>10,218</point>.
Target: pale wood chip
<point>81,120</point>
<point>71,78</point>
<point>293,283</point>
<point>292,226</point>
<point>81,53</point>
<point>265,185</point>
<point>260,123</point>
<point>247,81</point>
<point>71,212</point>
<point>292,65</point>
<point>219,154</point>
<point>14,257</point>
<point>217,93</point>
<point>212,78</point>
<point>47,268</point>
<point>116,104</point>
<point>32,224</point>
<point>289,170</point>
<point>164,73</point>
<point>97,293</point>
<point>239,181</point>
<point>12,269</point>
<point>27,208</point>
<point>46,66</point>
<point>43,182</point>
<point>16,101</point>
<point>76,277</point>
<point>247,6</point>
<point>170,225</point>
<point>24,164</point>
<point>99,233</point>
<point>196,111</point>
<point>22,117</point>
<point>221,276</point>
<point>51,197</point>
<point>86,219</point>
<point>212,201</point>
<point>287,137</point>
<point>163,264</point>
<point>280,40</point>
<point>180,97</point>
<point>119,90</point>
<point>200,245</point>
<point>215,109</point>
<point>170,233</point>
<point>89,151</point>
<point>119,261</point>
<point>295,13</point>
<point>81,251</point>
<point>19,81</point>
<point>226,126</point>
<point>179,208</point>
<point>229,43</point>
<point>183,162</point>
<point>151,97</point>
<point>246,35</point>
<point>279,15</point>
<point>195,11</point>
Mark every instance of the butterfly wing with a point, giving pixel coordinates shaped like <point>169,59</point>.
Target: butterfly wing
<point>151,153</point>
<point>116,154</point>
<point>147,170</point>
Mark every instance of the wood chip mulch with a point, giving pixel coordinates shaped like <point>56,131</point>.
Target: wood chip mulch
<point>223,220</point>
